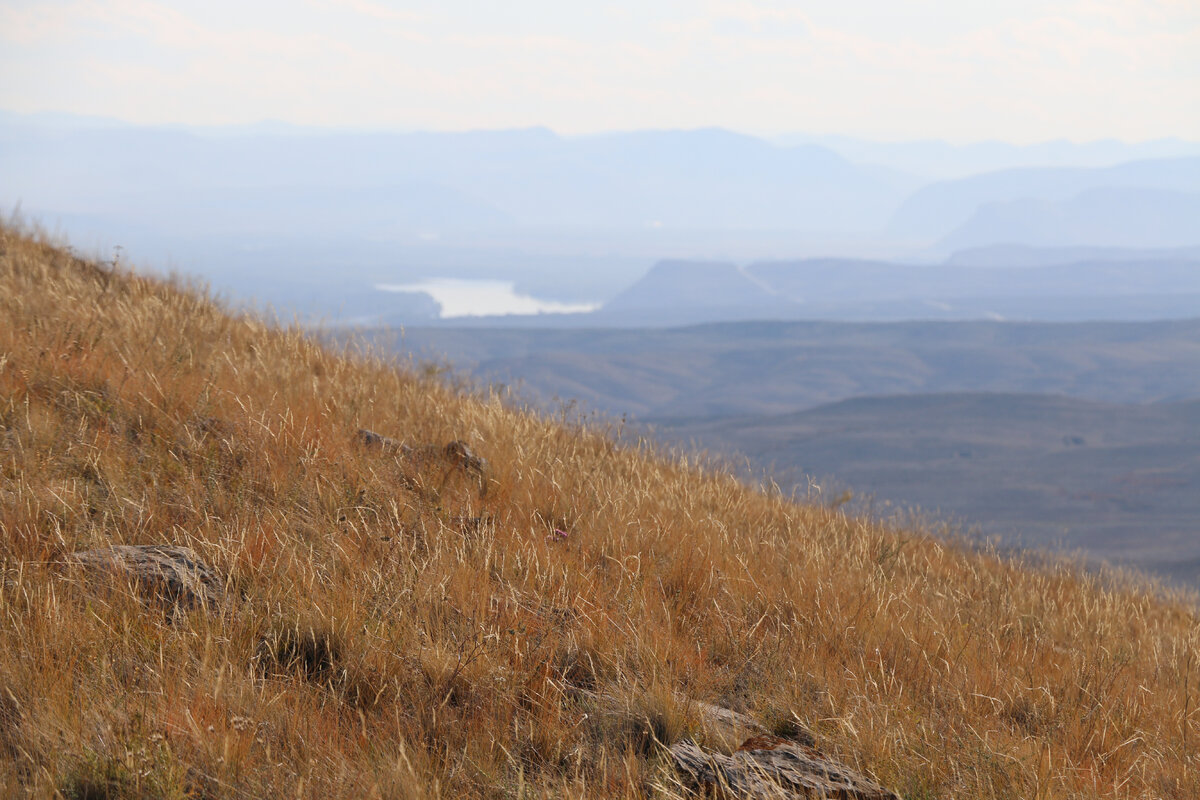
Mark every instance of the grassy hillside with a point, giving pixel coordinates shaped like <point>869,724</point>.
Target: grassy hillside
<point>393,635</point>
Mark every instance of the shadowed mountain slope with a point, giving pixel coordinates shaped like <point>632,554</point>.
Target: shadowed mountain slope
<point>1119,482</point>
<point>737,369</point>
<point>1104,216</point>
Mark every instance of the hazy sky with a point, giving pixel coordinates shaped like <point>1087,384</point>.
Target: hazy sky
<point>1021,70</point>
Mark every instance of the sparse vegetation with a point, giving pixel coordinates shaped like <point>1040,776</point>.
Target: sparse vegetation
<point>385,640</point>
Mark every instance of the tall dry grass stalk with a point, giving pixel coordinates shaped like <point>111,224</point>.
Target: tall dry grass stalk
<point>384,643</point>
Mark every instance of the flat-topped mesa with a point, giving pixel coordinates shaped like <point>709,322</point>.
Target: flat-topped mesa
<point>455,455</point>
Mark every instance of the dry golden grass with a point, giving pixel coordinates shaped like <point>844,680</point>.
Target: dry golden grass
<point>381,647</point>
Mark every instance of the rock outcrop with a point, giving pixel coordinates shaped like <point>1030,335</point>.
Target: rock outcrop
<point>770,767</point>
<point>454,456</point>
<point>373,439</point>
<point>722,726</point>
<point>166,574</point>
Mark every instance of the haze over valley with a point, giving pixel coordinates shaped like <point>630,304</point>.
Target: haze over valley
<point>933,298</point>
<point>1004,336</point>
<point>314,221</point>
<point>1071,437</point>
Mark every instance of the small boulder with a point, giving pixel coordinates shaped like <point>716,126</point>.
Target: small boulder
<point>770,767</point>
<point>173,576</point>
<point>458,453</point>
<point>455,456</point>
<point>724,727</point>
<point>386,443</point>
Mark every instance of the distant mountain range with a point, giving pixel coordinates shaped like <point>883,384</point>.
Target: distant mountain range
<point>939,211</point>
<point>1113,216</point>
<point>309,220</point>
<point>277,179</point>
<point>426,184</point>
<point>937,160</point>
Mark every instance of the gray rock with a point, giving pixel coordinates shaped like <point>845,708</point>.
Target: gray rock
<point>453,456</point>
<point>771,767</point>
<point>460,455</point>
<point>722,725</point>
<point>386,443</point>
<point>170,575</point>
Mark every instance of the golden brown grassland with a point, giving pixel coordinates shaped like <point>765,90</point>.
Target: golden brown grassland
<point>382,647</point>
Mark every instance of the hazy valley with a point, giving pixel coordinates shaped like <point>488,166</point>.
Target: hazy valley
<point>1109,482</point>
<point>313,221</point>
<point>1081,436</point>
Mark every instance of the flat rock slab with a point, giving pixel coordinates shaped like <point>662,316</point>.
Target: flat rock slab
<point>373,439</point>
<point>770,767</point>
<point>454,456</point>
<point>171,575</point>
<point>722,725</point>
